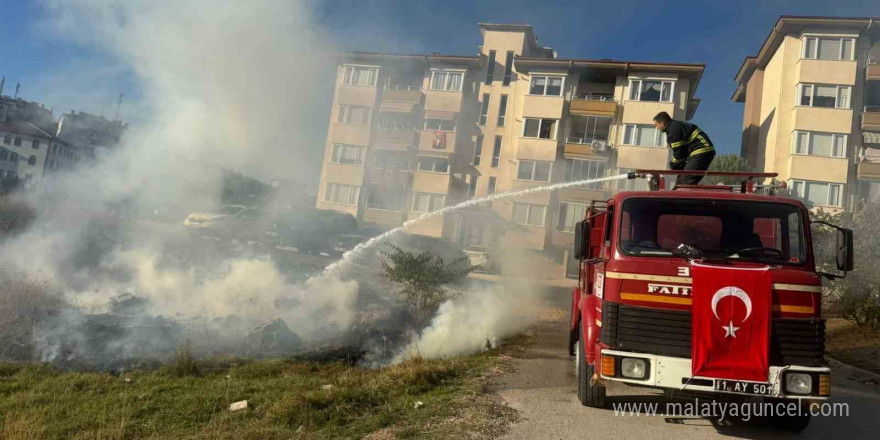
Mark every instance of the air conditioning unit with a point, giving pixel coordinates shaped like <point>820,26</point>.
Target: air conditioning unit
<point>599,146</point>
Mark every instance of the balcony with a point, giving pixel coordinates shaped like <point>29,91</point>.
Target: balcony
<point>351,134</point>
<point>638,157</point>
<point>443,101</point>
<point>583,195</point>
<point>401,98</point>
<point>428,182</point>
<point>871,118</point>
<point>593,104</point>
<point>562,239</point>
<point>868,169</point>
<point>382,216</point>
<point>825,169</point>
<point>392,178</point>
<point>357,95</point>
<point>393,139</point>
<point>828,120</point>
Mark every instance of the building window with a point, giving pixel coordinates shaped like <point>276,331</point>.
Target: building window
<point>502,110</point>
<point>360,76</point>
<point>569,215</point>
<point>529,215</point>
<point>651,90</point>
<point>472,189</point>
<point>824,48</point>
<point>440,124</point>
<point>643,135</point>
<point>491,189</point>
<point>348,154</point>
<point>388,159</point>
<point>540,128</point>
<point>534,171</point>
<point>508,68</point>
<point>819,144</point>
<point>829,96</point>
<point>17,141</point>
<point>425,202</point>
<point>579,169</point>
<point>13,157</point>
<point>353,114</point>
<point>816,193</point>
<point>35,144</point>
<point>490,68</point>
<point>631,184</point>
<point>32,160</point>
<point>546,85</point>
<point>484,110</point>
<point>387,199</point>
<point>4,154</point>
<point>586,129</point>
<point>434,164</point>
<point>447,80</point>
<point>342,194</point>
<point>496,152</point>
<point>478,150</point>
<point>869,191</point>
<point>7,139</point>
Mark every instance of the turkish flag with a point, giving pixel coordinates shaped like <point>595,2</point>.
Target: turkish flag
<point>730,322</point>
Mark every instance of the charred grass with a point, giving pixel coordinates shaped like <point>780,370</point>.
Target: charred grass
<point>287,399</point>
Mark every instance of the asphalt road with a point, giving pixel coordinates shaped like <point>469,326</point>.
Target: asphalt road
<point>543,389</point>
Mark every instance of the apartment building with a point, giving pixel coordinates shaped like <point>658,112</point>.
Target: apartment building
<point>413,133</point>
<point>812,109</point>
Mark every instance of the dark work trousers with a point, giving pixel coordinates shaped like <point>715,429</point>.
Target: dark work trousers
<point>700,162</point>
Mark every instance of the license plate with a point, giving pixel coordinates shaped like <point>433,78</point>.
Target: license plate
<point>736,386</point>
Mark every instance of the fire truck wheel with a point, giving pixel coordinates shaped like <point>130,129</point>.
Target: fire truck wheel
<point>793,423</point>
<point>590,394</point>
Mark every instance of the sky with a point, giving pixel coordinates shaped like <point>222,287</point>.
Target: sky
<point>717,33</point>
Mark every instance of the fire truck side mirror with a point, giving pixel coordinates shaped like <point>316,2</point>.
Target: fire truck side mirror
<point>845,260</point>
<point>581,239</point>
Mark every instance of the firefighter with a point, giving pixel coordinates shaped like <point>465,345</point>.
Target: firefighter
<point>691,147</point>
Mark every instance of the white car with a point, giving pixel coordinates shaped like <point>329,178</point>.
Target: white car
<point>209,220</point>
<point>479,256</point>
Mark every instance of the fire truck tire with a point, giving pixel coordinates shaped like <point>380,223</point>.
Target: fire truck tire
<point>793,423</point>
<point>589,393</point>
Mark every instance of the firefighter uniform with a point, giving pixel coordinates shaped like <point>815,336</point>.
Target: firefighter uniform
<point>691,150</point>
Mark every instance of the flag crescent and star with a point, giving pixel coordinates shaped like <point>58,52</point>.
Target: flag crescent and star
<point>730,322</point>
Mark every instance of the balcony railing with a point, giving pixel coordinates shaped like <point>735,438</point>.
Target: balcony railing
<point>593,97</point>
<point>404,87</point>
<point>583,140</point>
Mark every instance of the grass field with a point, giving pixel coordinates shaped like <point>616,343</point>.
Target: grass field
<point>287,400</point>
<point>858,346</point>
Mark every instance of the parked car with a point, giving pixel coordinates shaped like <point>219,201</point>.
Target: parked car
<point>312,231</point>
<point>343,243</point>
<point>229,221</point>
<point>480,257</point>
<point>416,244</point>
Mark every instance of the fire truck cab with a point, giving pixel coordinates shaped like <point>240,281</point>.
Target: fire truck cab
<point>631,311</point>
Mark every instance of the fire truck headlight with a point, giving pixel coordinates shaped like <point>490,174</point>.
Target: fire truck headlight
<point>798,383</point>
<point>633,368</point>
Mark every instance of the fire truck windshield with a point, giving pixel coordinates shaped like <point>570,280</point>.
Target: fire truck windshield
<point>721,229</point>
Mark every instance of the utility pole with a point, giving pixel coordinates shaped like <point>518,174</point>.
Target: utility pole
<point>17,87</point>
<point>118,106</point>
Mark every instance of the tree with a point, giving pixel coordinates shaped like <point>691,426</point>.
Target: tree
<point>422,277</point>
<point>728,163</point>
<point>856,297</point>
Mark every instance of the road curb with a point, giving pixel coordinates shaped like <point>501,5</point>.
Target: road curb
<point>837,364</point>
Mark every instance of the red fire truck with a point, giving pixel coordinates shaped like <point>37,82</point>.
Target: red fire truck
<point>631,314</point>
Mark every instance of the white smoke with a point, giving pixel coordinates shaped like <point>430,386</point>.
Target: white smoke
<point>474,321</point>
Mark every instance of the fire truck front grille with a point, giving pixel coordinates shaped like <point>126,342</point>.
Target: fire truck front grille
<point>668,333</point>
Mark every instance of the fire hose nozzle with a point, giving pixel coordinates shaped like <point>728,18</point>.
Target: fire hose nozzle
<point>633,175</point>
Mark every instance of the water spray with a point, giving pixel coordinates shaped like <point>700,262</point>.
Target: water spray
<point>350,255</point>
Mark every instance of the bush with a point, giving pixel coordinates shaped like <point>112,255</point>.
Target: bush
<point>26,305</point>
<point>15,215</point>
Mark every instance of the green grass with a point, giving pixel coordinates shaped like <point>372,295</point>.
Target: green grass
<point>286,400</point>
